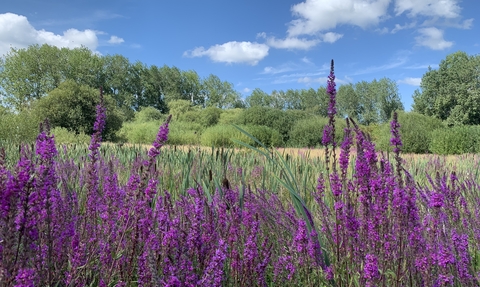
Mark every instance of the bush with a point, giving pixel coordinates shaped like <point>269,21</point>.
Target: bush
<point>73,106</point>
<point>210,116</point>
<point>148,114</point>
<point>309,132</point>
<point>230,116</point>
<point>222,135</point>
<point>279,120</point>
<point>62,135</point>
<point>181,133</point>
<point>415,129</point>
<point>456,140</point>
<point>16,128</point>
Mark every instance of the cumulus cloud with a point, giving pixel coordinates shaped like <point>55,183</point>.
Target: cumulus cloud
<point>320,15</point>
<point>272,70</point>
<point>433,8</point>
<point>331,37</point>
<point>411,81</point>
<point>232,52</point>
<point>292,43</point>
<point>432,38</point>
<point>115,40</point>
<point>17,32</point>
<point>399,27</point>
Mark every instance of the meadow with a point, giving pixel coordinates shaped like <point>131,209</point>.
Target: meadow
<point>344,215</point>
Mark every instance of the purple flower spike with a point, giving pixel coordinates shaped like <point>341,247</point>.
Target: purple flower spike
<point>161,139</point>
<point>329,130</point>
<point>371,267</point>
<point>395,130</point>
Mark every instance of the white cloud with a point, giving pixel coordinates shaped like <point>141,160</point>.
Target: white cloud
<point>331,37</point>
<point>320,15</point>
<point>232,52</point>
<point>246,90</point>
<point>17,32</point>
<point>115,40</point>
<point>272,70</point>
<point>262,35</point>
<point>306,60</point>
<point>384,30</point>
<point>467,24</point>
<point>399,27</point>
<point>432,38</point>
<point>292,43</point>
<point>411,81</point>
<point>434,8</point>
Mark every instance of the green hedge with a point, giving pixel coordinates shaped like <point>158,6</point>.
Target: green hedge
<point>456,140</point>
<point>63,136</point>
<point>309,132</point>
<point>415,130</point>
<point>222,135</point>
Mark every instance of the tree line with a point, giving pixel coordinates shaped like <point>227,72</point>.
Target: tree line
<point>62,84</point>
<point>29,74</point>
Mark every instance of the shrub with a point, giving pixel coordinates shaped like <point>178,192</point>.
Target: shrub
<point>22,127</point>
<point>456,140</point>
<point>181,133</point>
<point>309,132</point>
<point>222,135</point>
<point>280,120</point>
<point>230,116</point>
<point>62,135</point>
<point>72,106</point>
<point>148,114</point>
<point>415,129</point>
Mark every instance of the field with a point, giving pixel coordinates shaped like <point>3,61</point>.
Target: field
<point>345,215</point>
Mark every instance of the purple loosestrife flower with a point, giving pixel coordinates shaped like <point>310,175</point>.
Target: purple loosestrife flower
<point>436,200</point>
<point>25,278</point>
<point>460,243</point>
<point>370,269</point>
<point>395,130</point>
<point>213,275</point>
<point>160,140</point>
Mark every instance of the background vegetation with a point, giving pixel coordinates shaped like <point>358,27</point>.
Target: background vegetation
<point>62,84</point>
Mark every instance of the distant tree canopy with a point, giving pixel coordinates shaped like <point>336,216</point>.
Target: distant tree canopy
<point>29,74</point>
<point>73,106</point>
<point>38,76</point>
<point>451,92</point>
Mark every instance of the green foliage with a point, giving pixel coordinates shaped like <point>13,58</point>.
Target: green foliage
<point>452,92</point>
<point>179,107</point>
<point>21,127</point>
<point>73,106</point>
<point>222,135</point>
<point>309,132</point>
<point>456,140</point>
<point>279,120</point>
<point>416,132</point>
<point>369,102</point>
<point>210,116</point>
<point>63,136</point>
<point>181,133</point>
<point>148,114</point>
<point>230,116</point>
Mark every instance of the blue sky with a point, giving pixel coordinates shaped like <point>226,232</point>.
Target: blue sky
<point>271,45</point>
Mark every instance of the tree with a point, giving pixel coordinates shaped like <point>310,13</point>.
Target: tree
<point>73,106</point>
<point>219,94</point>
<point>452,92</point>
<point>388,98</point>
<point>28,74</point>
<point>258,98</point>
<point>348,102</point>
